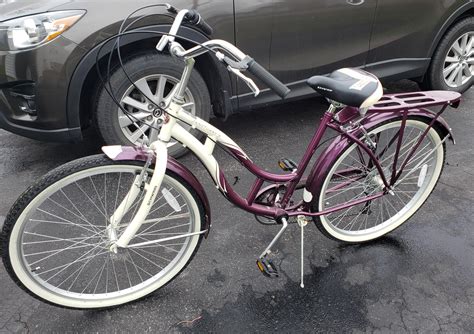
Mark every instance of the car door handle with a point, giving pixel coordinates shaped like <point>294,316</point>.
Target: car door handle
<point>355,2</point>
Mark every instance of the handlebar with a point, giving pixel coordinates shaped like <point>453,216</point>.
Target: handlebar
<point>268,79</point>
<point>242,62</point>
<point>196,19</point>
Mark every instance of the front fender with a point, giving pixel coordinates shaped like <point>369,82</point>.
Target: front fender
<point>326,160</point>
<point>124,153</point>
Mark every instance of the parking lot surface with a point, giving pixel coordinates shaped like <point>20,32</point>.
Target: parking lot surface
<point>419,278</point>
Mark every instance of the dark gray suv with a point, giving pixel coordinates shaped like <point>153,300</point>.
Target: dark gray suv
<point>50,90</point>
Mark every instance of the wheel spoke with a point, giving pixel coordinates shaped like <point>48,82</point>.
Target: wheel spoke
<point>55,239</point>
<point>66,249</point>
<point>144,88</point>
<point>142,106</point>
<point>467,71</point>
<point>459,75</point>
<point>138,133</point>
<point>449,70</point>
<point>457,48</point>
<point>454,74</point>
<point>367,220</point>
<point>452,59</point>
<point>92,202</point>
<point>146,259</point>
<point>160,88</point>
<point>470,44</point>
<point>125,121</point>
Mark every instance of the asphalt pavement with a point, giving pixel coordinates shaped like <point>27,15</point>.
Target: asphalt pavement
<point>420,278</point>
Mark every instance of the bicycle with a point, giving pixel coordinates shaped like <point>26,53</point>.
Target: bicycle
<point>109,229</point>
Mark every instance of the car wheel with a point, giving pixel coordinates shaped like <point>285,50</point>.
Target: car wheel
<point>452,66</point>
<point>155,75</point>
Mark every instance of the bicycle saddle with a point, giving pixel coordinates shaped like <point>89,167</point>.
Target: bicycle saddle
<point>349,86</point>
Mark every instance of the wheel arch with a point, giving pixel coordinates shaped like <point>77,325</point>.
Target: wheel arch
<point>85,83</point>
<point>464,11</point>
<point>338,145</point>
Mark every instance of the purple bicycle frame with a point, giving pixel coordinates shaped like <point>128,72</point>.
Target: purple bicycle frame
<point>390,107</point>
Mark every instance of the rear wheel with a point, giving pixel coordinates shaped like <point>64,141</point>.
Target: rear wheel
<point>56,238</point>
<point>353,176</point>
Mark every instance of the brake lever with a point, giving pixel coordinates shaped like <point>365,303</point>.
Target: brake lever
<point>250,83</point>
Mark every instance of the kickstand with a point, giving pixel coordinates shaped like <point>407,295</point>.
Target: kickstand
<point>302,222</point>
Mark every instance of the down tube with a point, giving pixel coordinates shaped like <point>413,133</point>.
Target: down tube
<point>210,163</point>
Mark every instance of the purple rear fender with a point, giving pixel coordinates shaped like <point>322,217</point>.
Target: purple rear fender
<point>327,158</point>
<point>124,153</point>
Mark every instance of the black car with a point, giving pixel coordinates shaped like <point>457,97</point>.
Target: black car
<point>50,89</point>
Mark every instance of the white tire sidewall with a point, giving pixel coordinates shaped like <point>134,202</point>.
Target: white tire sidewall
<point>362,238</point>
<point>39,290</point>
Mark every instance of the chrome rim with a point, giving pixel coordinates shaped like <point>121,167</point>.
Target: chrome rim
<point>64,240</point>
<point>459,63</point>
<point>157,87</point>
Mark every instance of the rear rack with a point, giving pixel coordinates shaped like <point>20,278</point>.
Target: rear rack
<point>416,100</point>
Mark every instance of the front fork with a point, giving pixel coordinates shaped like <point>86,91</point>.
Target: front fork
<point>151,189</point>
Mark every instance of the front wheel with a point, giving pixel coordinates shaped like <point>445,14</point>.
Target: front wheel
<point>56,238</point>
<point>353,176</point>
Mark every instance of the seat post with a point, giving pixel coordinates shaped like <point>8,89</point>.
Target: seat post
<point>332,108</point>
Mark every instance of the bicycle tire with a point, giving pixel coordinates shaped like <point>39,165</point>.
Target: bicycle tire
<point>15,221</point>
<point>371,233</point>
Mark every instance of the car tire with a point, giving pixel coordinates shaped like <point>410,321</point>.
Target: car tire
<point>159,73</point>
<point>446,59</point>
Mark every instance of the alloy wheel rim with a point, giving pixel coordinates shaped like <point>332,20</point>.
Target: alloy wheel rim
<point>459,62</point>
<point>158,87</point>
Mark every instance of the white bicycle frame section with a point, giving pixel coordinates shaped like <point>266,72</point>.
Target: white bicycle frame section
<point>171,129</point>
<point>174,110</point>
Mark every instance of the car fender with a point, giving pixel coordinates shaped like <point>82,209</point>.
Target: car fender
<point>326,160</point>
<point>448,23</point>
<point>130,153</point>
<point>87,64</point>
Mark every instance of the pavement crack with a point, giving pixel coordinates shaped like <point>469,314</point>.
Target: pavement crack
<point>450,185</point>
<point>23,323</point>
<point>187,323</point>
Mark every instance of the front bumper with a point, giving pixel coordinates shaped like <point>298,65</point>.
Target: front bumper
<point>33,91</point>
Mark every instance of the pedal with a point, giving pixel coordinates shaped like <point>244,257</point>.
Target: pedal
<point>267,267</point>
<point>287,165</point>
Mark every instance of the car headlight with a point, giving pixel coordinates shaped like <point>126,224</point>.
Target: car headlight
<point>30,31</point>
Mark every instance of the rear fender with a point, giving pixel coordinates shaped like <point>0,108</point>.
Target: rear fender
<point>330,154</point>
<point>124,153</point>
